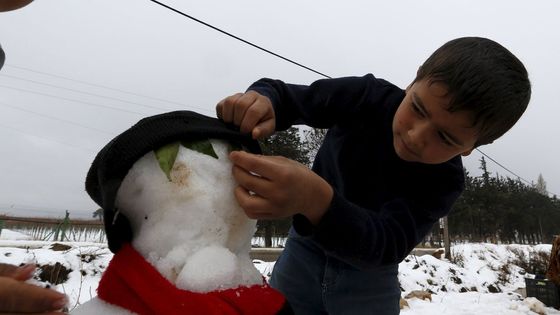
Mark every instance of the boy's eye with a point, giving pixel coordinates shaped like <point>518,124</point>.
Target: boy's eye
<point>444,139</point>
<point>417,109</point>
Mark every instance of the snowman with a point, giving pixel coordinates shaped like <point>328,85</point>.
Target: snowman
<point>180,239</point>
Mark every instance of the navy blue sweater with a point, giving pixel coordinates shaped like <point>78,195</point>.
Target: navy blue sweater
<point>382,206</point>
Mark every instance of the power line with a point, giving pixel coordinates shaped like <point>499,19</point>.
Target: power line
<point>81,92</point>
<point>295,63</point>
<point>102,87</point>
<point>239,39</point>
<point>89,150</point>
<point>88,83</point>
<point>71,100</point>
<point>55,118</point>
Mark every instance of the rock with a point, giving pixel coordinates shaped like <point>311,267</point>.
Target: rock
<point>420,294</point>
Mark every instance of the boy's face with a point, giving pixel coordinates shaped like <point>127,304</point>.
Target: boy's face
<point>425,131</point>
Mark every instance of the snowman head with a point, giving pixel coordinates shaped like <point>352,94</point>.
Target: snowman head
<point>171,169</point>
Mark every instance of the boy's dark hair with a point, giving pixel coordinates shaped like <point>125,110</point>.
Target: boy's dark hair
<point>484,78</point>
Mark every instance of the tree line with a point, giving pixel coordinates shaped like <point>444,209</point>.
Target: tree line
<point>502,209</point>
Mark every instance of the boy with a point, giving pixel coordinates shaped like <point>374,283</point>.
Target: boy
<point>388,169</point>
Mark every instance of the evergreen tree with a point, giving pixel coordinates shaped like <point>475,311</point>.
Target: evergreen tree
<point>287,144</point>
<point>541,186</point>
<point>313,140</point>
<point>98,214</point>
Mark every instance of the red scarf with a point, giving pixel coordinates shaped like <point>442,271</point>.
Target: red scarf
<point>134,284</point>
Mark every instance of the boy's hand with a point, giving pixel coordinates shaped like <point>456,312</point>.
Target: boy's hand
<point>281,189</point>
<point>18,297</point>
<point>251,111</point>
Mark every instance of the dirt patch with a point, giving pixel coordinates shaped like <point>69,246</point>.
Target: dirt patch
<point>54,274</point>
<point>60,247</point>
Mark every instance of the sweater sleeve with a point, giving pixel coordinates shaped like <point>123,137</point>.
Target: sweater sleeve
<point>324,102</point>
<point>365,238</point>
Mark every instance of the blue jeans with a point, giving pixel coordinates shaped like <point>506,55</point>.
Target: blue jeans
<point>314,283</point>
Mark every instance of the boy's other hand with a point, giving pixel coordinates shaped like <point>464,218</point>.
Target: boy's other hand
<point>272,187</point>
<point>251,111</point>
<point>18,297</point>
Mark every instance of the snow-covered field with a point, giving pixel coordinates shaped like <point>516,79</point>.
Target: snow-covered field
<point>484,278</point>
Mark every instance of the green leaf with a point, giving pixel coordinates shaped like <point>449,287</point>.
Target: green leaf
<point>166,156</point>
<point>202,146</point>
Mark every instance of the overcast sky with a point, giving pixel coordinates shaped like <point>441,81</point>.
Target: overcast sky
<point>52,127</point>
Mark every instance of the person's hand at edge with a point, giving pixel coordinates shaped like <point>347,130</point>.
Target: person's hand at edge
<point>18,297</point>
<point>10,5</point>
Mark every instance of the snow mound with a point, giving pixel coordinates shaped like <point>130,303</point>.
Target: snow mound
<point>10,235</point>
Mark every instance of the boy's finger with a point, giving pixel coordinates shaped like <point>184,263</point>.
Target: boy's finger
<point>263,129</point>
<point>257,184</point>
<point>250,120</point>
<point>240,105</point>
<point>255,206</point>
<point>228,106</point>
<point>258,116</point>
<point>264,166</point>
<point>20,297</point>
<point>239,113</point>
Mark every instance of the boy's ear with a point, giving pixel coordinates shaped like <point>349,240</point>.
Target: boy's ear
<point>466,153</point>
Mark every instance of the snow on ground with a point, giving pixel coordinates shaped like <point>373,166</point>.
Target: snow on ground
<point>482,279</point>
<point>13,235</point>
<point>470,303</point>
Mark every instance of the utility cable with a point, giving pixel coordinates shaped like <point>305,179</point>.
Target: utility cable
<point>71,100</point>
<point>89,150</point>
<point>56,118</point>
<point>239,38</point>
<point>93,84</point>
<point>80,91</point>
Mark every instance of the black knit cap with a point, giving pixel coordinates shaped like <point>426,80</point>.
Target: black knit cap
<point>114,161</point>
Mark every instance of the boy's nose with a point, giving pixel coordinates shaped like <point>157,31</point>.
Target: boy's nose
<point>418,135</point>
